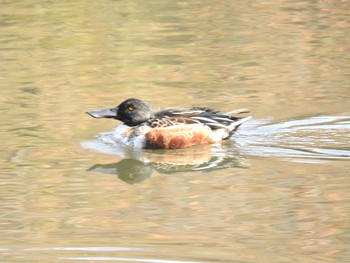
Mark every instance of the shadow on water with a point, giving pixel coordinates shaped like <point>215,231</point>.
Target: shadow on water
<point>313,139</point>
<point>137,165</point>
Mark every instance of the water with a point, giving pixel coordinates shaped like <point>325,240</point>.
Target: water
<point>277,192</point>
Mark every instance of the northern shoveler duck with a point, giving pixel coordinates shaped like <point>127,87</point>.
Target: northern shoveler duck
<point>173,128</point>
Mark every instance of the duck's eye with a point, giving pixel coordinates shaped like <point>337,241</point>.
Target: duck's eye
<point>131,108</point>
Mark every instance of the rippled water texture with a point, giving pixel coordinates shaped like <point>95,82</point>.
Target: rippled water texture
<point>277,192</point>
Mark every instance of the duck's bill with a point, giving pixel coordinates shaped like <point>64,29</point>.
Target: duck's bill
<point>106,113</point>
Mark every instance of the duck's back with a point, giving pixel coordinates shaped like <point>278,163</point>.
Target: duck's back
<point>196,115</point>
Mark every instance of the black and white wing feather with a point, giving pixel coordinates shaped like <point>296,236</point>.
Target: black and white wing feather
<point>214,119</point>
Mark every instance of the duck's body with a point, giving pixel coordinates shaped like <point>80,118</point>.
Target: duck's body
<point>169,128</point>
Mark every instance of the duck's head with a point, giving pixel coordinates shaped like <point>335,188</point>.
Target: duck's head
<point>132,112</point>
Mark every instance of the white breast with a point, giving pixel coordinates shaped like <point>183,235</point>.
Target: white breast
<point>131,136</point>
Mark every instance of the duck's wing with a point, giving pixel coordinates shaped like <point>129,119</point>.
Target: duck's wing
<point>206,116</point>
<point>172,117</point>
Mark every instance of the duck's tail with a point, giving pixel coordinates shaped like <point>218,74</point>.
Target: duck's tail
<point>234,126</point>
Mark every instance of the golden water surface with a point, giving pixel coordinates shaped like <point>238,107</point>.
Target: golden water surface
<point>277,192</point>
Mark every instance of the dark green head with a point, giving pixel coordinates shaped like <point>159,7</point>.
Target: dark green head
<point>131,112</point>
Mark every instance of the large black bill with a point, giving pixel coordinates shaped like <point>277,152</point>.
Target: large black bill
<point>107,113</point>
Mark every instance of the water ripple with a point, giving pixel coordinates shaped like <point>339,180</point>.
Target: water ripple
<point>322,137</point>
<point>118,259</point>
<point>94,249</point>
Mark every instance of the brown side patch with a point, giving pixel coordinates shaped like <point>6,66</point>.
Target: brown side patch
<point>177,137</point>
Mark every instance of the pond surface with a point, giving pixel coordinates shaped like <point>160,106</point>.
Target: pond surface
<point>277,192</point>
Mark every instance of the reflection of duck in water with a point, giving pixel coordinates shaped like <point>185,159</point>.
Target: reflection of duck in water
<point>169,128</point>
<point>203,158</point>
<point>129,170</point>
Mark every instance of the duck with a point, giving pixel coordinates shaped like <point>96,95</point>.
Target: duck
<point>169,128</point>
